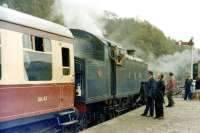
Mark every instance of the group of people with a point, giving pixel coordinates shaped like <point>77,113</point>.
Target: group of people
<point>155,91</point>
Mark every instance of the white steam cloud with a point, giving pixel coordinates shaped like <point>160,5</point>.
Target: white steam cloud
<point>79,16</point>
<point>179,63</point>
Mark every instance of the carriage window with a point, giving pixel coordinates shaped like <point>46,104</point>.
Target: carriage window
<point>47,45</point>
<point>27,42</point>
<point>65,61</point>
<point>140,75</point>
<point>37,62</point>
<point>135,76</point>
<point>37,43</point>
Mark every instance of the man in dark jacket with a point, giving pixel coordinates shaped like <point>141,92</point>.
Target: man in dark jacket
<point>197,85</point>
<point>188,84</point>
<point>143,97</point>
<point>159,97</point>
<point>151,87</point>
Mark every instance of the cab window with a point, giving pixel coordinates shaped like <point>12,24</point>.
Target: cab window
<point>37,58</point>
<point>88,46</point>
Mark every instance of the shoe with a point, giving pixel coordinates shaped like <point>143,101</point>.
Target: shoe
<point>161,117</point>
<point>150,116</point>
<point>157,117</point>
<point>168,106</point>
<point>143,115</point>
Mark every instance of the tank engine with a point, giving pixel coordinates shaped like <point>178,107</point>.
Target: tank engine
<point>107,79</point>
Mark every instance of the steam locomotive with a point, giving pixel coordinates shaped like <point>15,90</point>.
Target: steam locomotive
<point>109,78</point>
<point>53,78</point>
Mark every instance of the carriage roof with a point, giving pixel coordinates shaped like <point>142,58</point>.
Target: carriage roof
<point>16,17</point>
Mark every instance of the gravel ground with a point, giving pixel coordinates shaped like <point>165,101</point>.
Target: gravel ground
<point>184,117</point>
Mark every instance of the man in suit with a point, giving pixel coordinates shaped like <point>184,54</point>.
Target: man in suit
<point>159,97</point>
<point>151,87</point>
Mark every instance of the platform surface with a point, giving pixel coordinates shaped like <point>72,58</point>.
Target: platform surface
<point>184,117</point>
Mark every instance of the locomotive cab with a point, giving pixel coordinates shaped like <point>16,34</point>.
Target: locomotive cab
<point>91,71</point>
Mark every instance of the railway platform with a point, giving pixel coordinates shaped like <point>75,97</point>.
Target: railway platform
<point>184,117</point>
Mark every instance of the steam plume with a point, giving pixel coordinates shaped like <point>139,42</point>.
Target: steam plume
<point>80,16</point>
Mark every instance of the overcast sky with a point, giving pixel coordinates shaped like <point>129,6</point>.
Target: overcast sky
<point>178,19</point>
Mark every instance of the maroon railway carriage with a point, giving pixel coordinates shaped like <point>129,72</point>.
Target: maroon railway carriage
<point>36,69</point>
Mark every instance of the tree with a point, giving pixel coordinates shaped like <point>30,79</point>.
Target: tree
<point>39,8</point>
<point>141,35</point>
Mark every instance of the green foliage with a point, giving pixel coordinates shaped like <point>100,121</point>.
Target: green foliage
<point>39,8</point>
<point>140,35</point>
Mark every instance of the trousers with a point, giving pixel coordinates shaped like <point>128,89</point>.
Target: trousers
<point>159,107</point>
<point>170,98</point>
<point>149,106</point>
<point>188,94</point>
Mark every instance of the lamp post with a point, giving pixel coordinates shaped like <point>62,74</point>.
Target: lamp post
<point>192,61</point>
